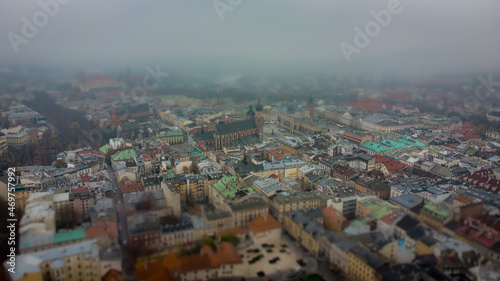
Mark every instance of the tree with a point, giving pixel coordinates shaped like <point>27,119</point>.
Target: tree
<point>481,129</point>
<point>185,169</point>
<point>194,167</point>
<point>146,203</point>
<point>230,237</point>
<point>209,242</point>
<point>60,164</point>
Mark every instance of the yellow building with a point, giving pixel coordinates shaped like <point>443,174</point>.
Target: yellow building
<point>306,229</point>
<point>3,144</point>
<point>436,216</point>
<point>425,246</point>
<point>282,204</point>
<point>363,264</point>
<point>370,204</point>
<point>69,263</point>
<point>333,219</point>
<point>191,188</point>
<point>22,193</point>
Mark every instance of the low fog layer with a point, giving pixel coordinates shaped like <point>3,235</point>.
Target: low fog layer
<point>421,37</point>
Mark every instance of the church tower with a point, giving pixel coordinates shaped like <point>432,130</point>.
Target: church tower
<point>310,110</point>
<point>250,113</point>
<point>259,106</point>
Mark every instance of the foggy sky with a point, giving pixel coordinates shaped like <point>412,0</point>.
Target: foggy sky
<point>425,37</point>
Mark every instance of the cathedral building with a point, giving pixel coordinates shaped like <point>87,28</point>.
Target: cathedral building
<point>226,134</point>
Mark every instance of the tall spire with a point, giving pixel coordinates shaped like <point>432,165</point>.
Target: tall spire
<point>259,104</point>
<point>310,101</point>
<point>250,113</point>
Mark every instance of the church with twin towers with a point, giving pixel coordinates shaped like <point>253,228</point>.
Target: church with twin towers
<point>253,126</point>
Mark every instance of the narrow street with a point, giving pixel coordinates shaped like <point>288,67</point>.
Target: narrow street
<point>128,272</point>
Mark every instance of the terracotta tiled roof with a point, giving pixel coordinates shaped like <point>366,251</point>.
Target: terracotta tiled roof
<point>207,259</point>
<point>112,275</point>
<point>464,198</point>
<point>391,164</point>
<point>102,228</point>
<point>390,219</point>
<point>235,230</point>
<point>152,272</point>
<point>263,223</point>
<point>90,152</point>
<point>80,189</point>
<point>330,214</point>
<point>227,254</point>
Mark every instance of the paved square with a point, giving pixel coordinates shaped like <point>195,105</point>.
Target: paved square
<point>287,258</point>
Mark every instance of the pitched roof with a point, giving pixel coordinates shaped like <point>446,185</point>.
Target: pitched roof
<point>407,223</point>
<point>263,223</point>
<point>112,275</point>
<point>234,127</point>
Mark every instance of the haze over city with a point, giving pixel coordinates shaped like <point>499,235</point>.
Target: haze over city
<point>249,140</point>
<point>426,37</point>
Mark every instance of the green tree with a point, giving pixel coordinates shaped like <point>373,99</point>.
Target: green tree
<point>60,164</point>
<point>481,129</point>
<point>209,242</point>
<point>230,237</point>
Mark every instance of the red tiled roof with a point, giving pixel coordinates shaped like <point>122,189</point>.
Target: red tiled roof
<point>391,164</point>
<point>102,228</point>
<point>487,241</point>
<point>79,189</point>
<point>85,178</point>
<point>281,155</point>
<point>330,214</point>
<point>464,198</point>
<point>471,135</point>
<point>132,187</point>
<point>480,179</point>
<point>235,230</point>
<point>390,219</point>
<point>90,152</point>
<point>263,223</point>
<point>113,275</point>
<point>201,147</point>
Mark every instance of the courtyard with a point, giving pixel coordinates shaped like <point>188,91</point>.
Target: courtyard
<point>268,259</point>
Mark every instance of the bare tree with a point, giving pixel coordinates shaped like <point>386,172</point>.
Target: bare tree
<point>146,203</point>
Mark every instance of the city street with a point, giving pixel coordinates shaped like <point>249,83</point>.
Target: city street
<point>128,272</point>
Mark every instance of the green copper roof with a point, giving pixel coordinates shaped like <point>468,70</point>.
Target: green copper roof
<point>124,155</point>
<point>64,236</point>
<point>228,186</point>
<point>387,144</point>
<point>442,212</point>
<point>105,148</point>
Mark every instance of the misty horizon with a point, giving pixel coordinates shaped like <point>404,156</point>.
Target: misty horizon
<point>423,38</point>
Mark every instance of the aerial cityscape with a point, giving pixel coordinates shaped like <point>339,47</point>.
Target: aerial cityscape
<point>249,140</point>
